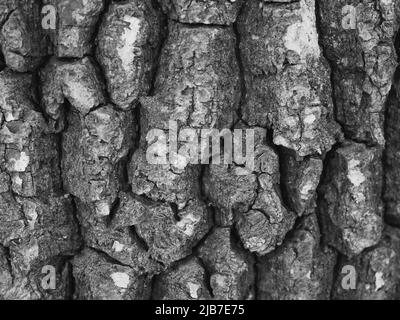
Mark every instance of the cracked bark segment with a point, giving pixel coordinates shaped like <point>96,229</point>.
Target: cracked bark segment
<point>229,192</point>
<point>264,227</point>
<point>123,245</point>
<point>5,8</point>
<point>127,44</point>
<point>287,79</point>
<point>198,78</point>
<point>200,60</point>
<point>351,208</point>
<point>12,219</point>
<point>98,278</point>
<point>300,177</point>
<point>43,234</point>
<point>28,151</point>
<point>29,159</point>
<point>377,271</point>
<point>163,232</point>
<point>129,212</point>
<point>17,99</point>
<point>233,189</point>
<point>22,38</point>
<point>170,234</point>
<point>261,233</point>
<point>37,224</point>
<point>363,60</point>
<point>6,275</point>
<point>169,182</point>
<point>49,235</point>
<point>231,267</point>
<point>251,200</point>
<point>77,82</point>
<point>163,183</point>
<point>29,287</point>
<point>221,12</point>
<point>76,24</point>
<point>50,230</point>
<point>185,281</point>
<point>37,230</point>
<point>93,146</point>
<point>392,155</point>
<point>299,270</point>
<point>116,237</point>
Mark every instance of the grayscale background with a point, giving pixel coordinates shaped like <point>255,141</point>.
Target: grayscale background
<point>84,215</point>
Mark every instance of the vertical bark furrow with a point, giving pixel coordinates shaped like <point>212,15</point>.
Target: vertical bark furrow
<point>76,25</point>
<point>358,41</point>
<point>360,49</point>
<point>195,63</point>
<point>392,152</point>
<point>288,91</point>
<point>286,76</point>
<point>23,42</point>
<point>301,269</point>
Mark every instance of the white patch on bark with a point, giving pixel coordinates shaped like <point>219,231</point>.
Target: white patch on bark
<point>126,51</point>
<point>379,282</point>
<point>355,175</point>
<point>117,246</point>
<point>220,280</point>
<point>187,224</point>
<point>305,190</point>
<point>20,164</point>
<point>302,37</point>
<point>17,180</point>
<point>120,279</point>
<point>193,289</point>
<point>102,208</point>
<point>30,253</point>
<point>31,214</point>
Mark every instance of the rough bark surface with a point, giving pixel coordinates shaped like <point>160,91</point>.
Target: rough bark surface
<point>79,104</point>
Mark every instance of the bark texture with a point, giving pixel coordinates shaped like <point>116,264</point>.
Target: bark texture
<point>79,104</point>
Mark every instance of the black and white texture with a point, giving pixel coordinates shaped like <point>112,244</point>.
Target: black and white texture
<point>77,102</point>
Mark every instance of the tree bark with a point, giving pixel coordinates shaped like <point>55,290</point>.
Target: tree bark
<point>79,102</point>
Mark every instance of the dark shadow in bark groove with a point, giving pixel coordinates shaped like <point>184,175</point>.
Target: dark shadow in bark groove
<point>391,104</point>
<point>243,89</point>
<point>137,239</point>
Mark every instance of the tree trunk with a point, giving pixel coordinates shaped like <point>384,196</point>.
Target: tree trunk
<point>85,88</point>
